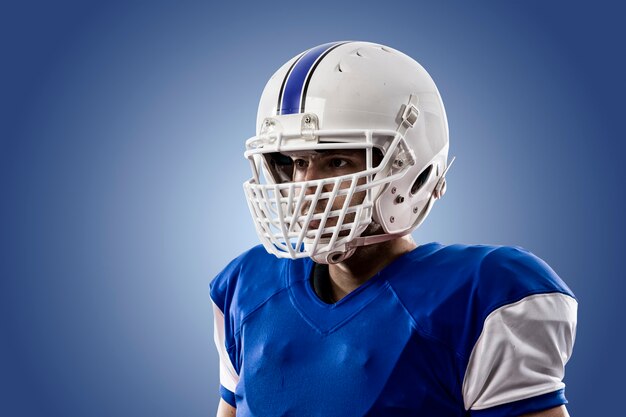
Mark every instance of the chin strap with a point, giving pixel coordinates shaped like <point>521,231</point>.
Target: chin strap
<point>371,240</point>
<point>410,113</point>
<point>349,248</point>
<point>440,187</point>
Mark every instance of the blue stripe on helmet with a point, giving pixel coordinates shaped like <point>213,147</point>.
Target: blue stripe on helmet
<point>292,94</point>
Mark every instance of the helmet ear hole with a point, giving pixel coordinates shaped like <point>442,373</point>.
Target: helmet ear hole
<point>421,179</point>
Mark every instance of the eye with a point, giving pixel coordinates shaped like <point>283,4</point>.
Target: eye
<point>338,163</point>
<point>300,163</point>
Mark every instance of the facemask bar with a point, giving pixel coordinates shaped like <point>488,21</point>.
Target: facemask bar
<point>285,229</point>
<point>278,212</point>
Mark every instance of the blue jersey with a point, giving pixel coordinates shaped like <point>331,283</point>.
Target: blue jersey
<point>442,331</point>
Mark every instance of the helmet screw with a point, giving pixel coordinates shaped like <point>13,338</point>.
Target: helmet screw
<point>415,209</point>
<point>399,163</point>
<point>392,219</point>
<point>393,190</point>
<point>399,199</point>
<point>307,119</point>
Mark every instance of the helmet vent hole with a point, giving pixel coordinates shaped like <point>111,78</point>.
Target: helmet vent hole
<point>421,180</point>
<point>339,68</point>
<point>358,53</point>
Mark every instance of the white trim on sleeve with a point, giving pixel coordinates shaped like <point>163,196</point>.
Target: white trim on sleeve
<point>521,352</point>
<point>228,376</point>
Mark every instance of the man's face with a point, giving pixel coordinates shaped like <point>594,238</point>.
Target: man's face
<point>316,165</point>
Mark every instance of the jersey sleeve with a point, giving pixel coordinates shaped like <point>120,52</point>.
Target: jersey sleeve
<point>228,376</point>
<point>517,363</point>
<point>225,329</point>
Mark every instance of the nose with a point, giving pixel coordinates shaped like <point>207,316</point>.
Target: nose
<point>308,173</point>
<point>313,172</point>
<point>311,175</point>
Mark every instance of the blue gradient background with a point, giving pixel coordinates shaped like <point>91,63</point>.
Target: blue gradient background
<point>121,138</point>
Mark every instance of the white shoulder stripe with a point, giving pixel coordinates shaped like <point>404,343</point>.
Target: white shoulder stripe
<point>521,352</point>
<point>228,376</point>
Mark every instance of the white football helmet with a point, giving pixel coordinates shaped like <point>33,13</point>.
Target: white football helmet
<point>346,95</point>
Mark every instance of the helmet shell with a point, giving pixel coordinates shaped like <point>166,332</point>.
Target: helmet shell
<point>368,86</point>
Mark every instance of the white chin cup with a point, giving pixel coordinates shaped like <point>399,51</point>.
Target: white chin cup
<point>335,256</point>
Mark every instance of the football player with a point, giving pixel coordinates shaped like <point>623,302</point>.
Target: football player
<point>339,312</point>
